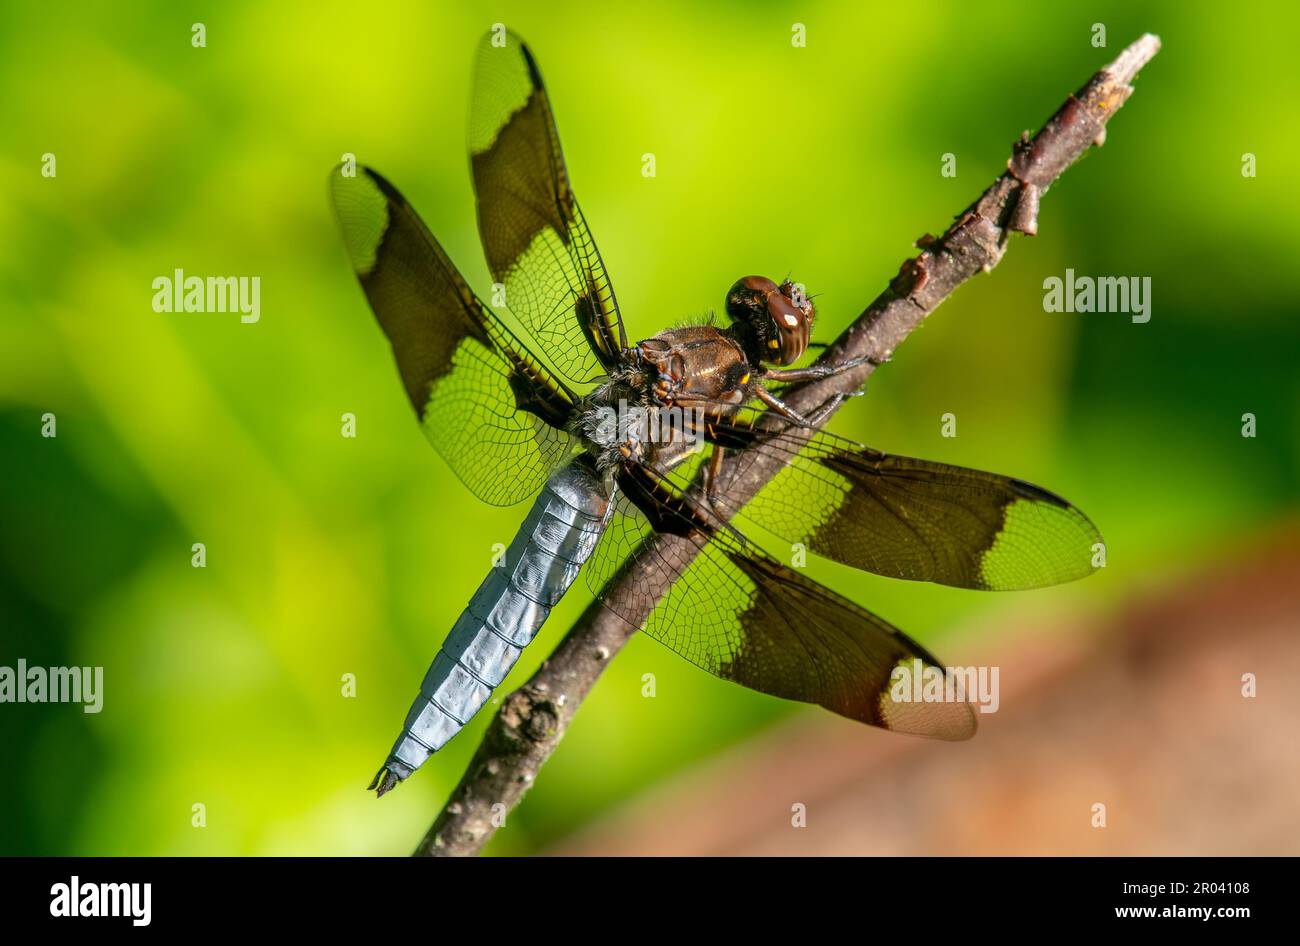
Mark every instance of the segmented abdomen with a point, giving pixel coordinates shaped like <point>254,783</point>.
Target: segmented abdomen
<point>503,617</point>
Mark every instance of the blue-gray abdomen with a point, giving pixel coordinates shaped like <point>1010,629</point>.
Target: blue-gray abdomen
<point>503,617</point>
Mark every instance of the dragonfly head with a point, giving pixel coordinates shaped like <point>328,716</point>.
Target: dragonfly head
<point>773,322</point>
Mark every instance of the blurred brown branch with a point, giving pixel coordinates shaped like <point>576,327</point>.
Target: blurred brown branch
<point>533,719</point>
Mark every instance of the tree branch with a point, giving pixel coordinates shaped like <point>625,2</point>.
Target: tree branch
<point>533,719</point>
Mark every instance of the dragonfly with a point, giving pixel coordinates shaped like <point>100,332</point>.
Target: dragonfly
<point>622,444</point>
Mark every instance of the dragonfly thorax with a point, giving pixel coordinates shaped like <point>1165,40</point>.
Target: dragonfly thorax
<point>629,419</point>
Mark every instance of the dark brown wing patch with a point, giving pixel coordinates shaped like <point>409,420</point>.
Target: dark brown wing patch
<point>492,409</point>
<point>537,243</point>
<point>909,518</point>
<point>736,612</point>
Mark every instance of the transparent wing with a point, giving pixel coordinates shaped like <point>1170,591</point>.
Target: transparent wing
<point>907,518</point>
<point>734,611</point>
<point>535,238</point>
<point>492,410</point>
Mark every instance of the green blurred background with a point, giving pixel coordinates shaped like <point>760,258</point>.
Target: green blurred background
<point>328,556</point>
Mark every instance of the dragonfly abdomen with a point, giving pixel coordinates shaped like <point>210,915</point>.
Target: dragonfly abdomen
<point>505,614</point>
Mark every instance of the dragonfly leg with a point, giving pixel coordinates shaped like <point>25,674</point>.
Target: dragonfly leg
<point>709,479</point>
<point>819,416</point>
<point>814,372</point>
<point>704,510</point>
<point>815,419</point>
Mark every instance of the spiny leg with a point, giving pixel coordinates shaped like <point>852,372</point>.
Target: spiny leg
<point>695,440</point>
<point>818,417</point>
<point>815,372</point>
<point>812,373</point>
<point>818,371</point>
<point>709,478</point>
<point>815,419</point>
<point>706,509</point>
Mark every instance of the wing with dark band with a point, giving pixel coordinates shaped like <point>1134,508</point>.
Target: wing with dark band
<point>741,615</point>
<point>493,411</point>
<point>537,243</point>
<point>908,518</point>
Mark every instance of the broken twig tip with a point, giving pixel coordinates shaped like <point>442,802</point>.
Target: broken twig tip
<point>1134,57</point>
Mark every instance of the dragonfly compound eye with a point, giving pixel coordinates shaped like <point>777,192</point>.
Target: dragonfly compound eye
<point>747,298</point>
<point>773,322</point>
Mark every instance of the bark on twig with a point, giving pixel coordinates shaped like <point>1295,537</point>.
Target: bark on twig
<point>533,719</point>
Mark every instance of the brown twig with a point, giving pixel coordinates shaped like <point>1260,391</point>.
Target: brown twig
<point>533,719</point>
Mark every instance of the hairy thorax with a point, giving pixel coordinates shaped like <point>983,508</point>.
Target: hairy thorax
<point>651,408</point>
